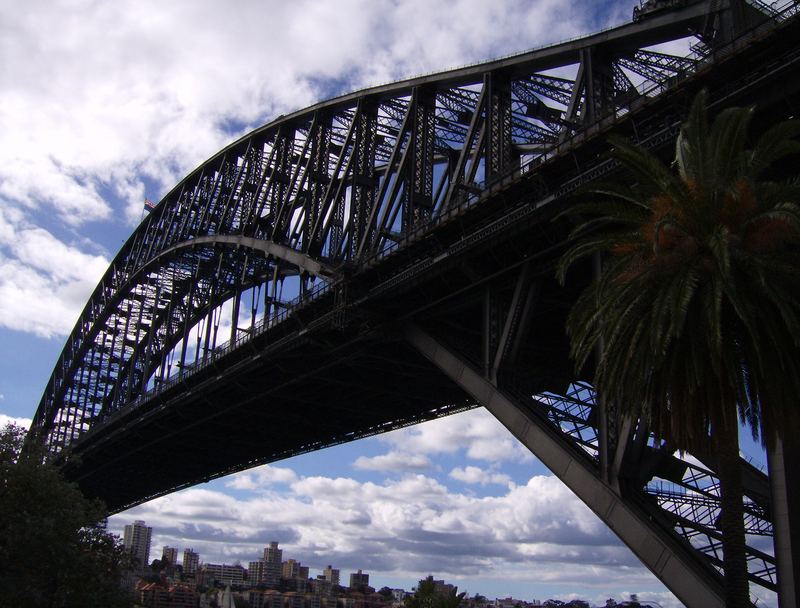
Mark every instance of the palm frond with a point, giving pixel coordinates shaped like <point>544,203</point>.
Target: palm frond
<point>696,302</point>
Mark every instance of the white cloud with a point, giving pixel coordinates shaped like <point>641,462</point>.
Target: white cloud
<point>393,461</point>
<point>537,532</point>
<point>159,87</point>
<point>104,104</point>
<point>261,478</point>
<point>44,282</point>
<point>475,475</point>
<point>18,420</point>
<point>477,432</point>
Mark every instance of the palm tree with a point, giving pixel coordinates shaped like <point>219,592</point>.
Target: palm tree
<point>697,306</point>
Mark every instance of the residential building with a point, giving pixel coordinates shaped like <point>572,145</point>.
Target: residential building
<point>312,600</point>
<point>322,586</point>
<point>256,572</point>
<point>299,585</point>
<point>290,569</point>
<point>331,574</point>
<point>292,599</point>
<point>445,589</point>
<point>359,580</point>
<point>171,554</point>
<point>226,600</point>
<point>224,574</point>
<point>273,561</point>
<point>273,554</point>
<point>191,561</point>
<point>399,595</point>
<point>510,602</point>
<point>154,595</point>
<point>136,540</point>
<point>265,599</point>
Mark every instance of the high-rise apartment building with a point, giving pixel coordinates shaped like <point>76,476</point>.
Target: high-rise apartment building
<point>171,554</point>
<point>291,568</point>
<point>190,561</point>
<point>268,571</point>
<point>256,572</point>
<point>358,580</point>
<point>331,574</point>
<point>272,554</point>
<point>273,562</point>
<point>224,574</point>
<point>136,541</point>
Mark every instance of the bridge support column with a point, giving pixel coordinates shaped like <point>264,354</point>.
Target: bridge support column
<point>785,480</point>
<point>673,564</point>
<point>418,196</point>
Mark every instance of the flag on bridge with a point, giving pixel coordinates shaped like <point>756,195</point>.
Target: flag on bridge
<point>149,205</point>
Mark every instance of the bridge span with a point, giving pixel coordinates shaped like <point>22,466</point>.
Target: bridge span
<point>386,257</point>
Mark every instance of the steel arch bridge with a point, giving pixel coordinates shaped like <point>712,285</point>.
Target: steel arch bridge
<point>386,257</point>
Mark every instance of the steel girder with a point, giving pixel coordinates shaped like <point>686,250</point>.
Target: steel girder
<point>285,215</point>
<point>673,564</point>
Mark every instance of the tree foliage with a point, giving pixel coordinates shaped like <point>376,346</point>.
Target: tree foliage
<point>696,308</point>
<point>53,550</point>
<point>697,304</point>
<point>427,596</point>
<point>386,592</point>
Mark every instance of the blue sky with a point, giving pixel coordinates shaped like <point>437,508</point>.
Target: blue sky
<point>103,104</point>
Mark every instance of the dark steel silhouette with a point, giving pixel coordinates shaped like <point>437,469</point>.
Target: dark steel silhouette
<point>386,257</point>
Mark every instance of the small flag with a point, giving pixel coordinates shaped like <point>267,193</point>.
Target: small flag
<point>149,205</point>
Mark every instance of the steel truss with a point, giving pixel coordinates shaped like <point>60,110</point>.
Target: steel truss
<point>339,205</point>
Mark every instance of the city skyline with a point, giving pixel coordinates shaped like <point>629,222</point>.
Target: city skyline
<point>136,540</point>
<point>272,555</point>
<point>92,129</point>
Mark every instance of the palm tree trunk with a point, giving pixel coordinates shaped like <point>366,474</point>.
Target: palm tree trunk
<point>731,520</point>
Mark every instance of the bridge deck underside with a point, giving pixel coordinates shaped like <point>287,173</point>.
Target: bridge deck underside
<point>306,385</point>
<point>307,398</point>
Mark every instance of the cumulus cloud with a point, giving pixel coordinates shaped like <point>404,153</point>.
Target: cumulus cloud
<point>393,462</point>
<point>475,475</point>
<point>261,478</point>
<point>18,420</point>
<point>407,527</point>
<point>44,282</point>
<point>162,87</point>
<point>90,129</point>
<point>477,433</point>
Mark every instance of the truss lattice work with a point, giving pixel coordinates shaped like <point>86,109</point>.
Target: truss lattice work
<point>268,282</point>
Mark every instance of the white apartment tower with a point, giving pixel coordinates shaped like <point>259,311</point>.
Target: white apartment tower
<point>136,541</point>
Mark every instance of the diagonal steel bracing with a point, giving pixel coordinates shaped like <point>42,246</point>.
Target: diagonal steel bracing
<point>324,227</point>
<point>676,566</point>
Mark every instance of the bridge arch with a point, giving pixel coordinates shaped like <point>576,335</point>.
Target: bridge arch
<point>150,359</point>
<point>399,199</point>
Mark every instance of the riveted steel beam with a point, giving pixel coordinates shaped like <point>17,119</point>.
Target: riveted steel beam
<point>691,581</point>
